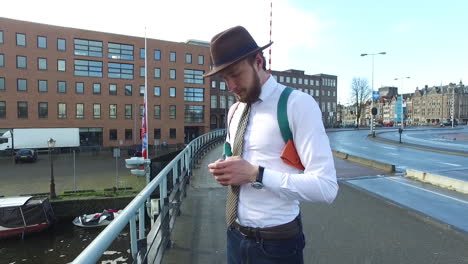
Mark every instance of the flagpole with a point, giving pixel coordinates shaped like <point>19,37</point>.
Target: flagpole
<point>144,130</point>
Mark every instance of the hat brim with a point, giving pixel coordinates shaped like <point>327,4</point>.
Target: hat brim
<point>221,67</point>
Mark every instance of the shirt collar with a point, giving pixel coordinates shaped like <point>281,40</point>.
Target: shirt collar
<point>267,88</point>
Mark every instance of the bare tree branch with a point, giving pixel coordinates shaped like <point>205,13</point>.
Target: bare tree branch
<point>361,93</point>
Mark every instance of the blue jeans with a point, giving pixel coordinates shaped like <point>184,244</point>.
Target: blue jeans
<point>245,250</point>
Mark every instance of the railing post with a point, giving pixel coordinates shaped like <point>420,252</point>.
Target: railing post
<point>133,237</point>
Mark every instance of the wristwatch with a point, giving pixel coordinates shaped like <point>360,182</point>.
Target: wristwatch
<point>258,183</point>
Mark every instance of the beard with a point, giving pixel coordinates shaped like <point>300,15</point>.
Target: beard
<point>252,92</point>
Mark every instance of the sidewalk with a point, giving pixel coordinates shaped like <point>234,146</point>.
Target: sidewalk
<point>356,228</point>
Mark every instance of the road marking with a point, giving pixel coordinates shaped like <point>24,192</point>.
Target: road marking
<point>394,154</point>
<point>451,164</point>
<point>389,148</point>
<point>364,147</point>
<point>436,193</point>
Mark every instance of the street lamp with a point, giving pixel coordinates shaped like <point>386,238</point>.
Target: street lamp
<point>372,99</point>
<point>51,144</point>
<point>402,113</point>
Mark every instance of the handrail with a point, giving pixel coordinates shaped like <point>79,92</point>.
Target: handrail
<point>98,246</point>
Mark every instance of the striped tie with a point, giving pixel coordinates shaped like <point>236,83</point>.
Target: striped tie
<point>233,191</point>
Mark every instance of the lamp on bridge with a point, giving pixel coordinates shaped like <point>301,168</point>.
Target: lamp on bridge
<point>51,144</point>
<point>372,99</point>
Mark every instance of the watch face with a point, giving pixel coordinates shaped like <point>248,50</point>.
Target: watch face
<point>257,185</point>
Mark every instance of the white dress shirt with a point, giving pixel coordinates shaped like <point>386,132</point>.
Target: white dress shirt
<point>284,186</point>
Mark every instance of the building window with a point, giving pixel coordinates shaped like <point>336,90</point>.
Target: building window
<point>120,70</point>
<point>128,111</point>
<point>61,66</point>
<point>230,101</point>
<point>157,55</point>
<point>61,87</point>
<point>118,51</point>
<point>21,39</point>
<point>142,53</point>
<point>43,110</point>
<point>79,87</point>
<point>112,89</point>
<point>88,68</point>
<point>188,58</point>
<point>172,74</point>
<point>96,88</point>
<point>112,134</point>
<point>157,91</point>
<point>113,111</point>
<point>193,94</point>
<point>214,102</point>
<point>281,79</point>
<point>62,111</point>
<point>90,48</point>
<point>142,113</point>
<point>194,114</point>
<point>328,93</point>
<point>172,56</point>
<point>2,60</point>
<point>22,85</point>
<point>97,111</point>
<point>42,42</point>
<point>2,110</point>
<point>288,79</point>
<point>201,60</point>
<point>1,37</point>
<point>306,81</point>
<point>142,90</point>
<point>317,83</point>
<point>222,102</point>
<point>157,73</point>
<point>194,76</point>
<point>172,133</point>
<point>79,111</point>
<point>2,84</point>
<point>142,71</point>
<point>42,86</point>
<point>157,112</point>
<point>128,134</point>
<point>172,92</point>
<point>300,80</point>
<point>21,62</point>
<point>317,92</point>
<point>61,44</point>
<point>294,80</point>
<point>172,112</point>
<point>22,110</point>
<point>323,92</point>
<point>128,90</point>
<point>222,86</point>
<point>213,84</point>
<point>42,64</point>
<point>157,133</point>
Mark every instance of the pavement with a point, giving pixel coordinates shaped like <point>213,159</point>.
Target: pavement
<point>361,226</point>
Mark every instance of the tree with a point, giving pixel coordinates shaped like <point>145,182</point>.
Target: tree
<point>361,93</point>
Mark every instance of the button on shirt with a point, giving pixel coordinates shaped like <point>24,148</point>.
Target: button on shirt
<point>284,186</point>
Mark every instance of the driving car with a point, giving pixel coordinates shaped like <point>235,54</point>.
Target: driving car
<point>25,155</point>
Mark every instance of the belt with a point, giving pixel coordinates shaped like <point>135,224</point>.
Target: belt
<point>280,232</point>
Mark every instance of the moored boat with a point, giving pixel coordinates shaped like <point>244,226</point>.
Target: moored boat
<point>96,219</point>
<point>20,215</point>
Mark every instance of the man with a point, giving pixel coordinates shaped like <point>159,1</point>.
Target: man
<point>262,210</point>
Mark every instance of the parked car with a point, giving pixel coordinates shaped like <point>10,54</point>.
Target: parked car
<point>26,155</point>
<point>448,123</point>
<point>135,151</point>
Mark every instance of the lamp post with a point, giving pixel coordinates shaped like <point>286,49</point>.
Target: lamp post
<point>51,144</point>
<point>372,99</point>
<point>402,113</point>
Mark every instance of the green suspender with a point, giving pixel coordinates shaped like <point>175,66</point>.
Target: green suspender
<point>283,114</point>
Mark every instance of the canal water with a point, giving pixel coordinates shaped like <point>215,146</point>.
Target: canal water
<point>61,244</point>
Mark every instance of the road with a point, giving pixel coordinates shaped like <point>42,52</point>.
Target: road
<point>355,142</point>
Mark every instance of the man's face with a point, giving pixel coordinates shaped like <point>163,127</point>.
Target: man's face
<point>242,79</point>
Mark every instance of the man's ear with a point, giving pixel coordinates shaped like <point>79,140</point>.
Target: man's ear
<point>259,61</point>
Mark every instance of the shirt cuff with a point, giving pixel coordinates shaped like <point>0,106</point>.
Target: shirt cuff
<point>272,179</point>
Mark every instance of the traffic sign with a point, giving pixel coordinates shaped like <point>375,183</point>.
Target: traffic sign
<point>375,95</point>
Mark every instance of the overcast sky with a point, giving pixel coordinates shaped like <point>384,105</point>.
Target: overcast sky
<point>426,40</point>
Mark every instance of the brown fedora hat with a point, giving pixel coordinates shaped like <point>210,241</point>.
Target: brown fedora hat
<point>231,46</point>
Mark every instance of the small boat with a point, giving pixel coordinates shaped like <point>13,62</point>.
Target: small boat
<point>97,219</point>
<point>24,214</point>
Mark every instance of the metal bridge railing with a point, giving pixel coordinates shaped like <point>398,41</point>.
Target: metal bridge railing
<point>162,212</point>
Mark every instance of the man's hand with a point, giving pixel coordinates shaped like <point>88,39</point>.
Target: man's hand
<point>233,171</point>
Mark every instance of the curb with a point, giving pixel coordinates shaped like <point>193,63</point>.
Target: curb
<point>366,162</point>
<point>438,180</point>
